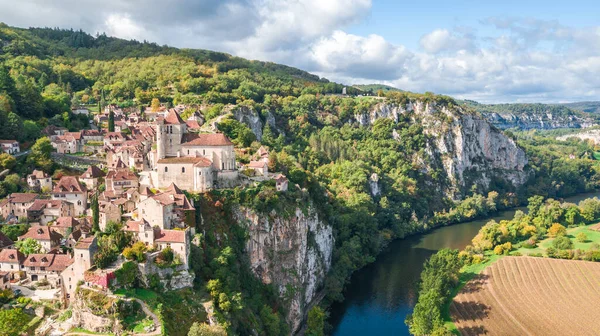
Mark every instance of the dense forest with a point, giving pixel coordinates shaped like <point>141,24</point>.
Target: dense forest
<point>312,139</point>
<point>532,109</point>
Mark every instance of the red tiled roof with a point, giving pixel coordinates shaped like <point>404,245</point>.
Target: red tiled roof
<point>209,139</point>
<point>146,191</point>
<point>8,141</point>
<point>40,204</point>
<point>4,241</point>
<point>121,174</point>
<point>92,172</point>
<point>257,164</point>
<point>11,256</point>
<point>41,233</point>
<point>69,184</point>
<point>170,236</point>
<point>198,161</point>
<point>193,124</point>
<point>22,197</point>
<point>85,243</point>
<point>66,222</point>
<point>52,262</point>
<point>38,174</point>
<point>173,118</point>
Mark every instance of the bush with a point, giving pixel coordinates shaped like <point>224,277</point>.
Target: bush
<point>136,252</point>
<point>6,295</point>
<point>557,230</point>
<point>582,237</point>
<point>503,249</point>
<point>562,243</point>
<point>165,257</point>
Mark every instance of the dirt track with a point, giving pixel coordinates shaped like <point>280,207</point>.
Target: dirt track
<point>531,296</point>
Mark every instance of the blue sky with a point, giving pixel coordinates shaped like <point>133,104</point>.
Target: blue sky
<point>490,51</point>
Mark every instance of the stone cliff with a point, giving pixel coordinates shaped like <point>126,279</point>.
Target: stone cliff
<point>291,252</point>
<point>470,150</point>
<point>541,121</point>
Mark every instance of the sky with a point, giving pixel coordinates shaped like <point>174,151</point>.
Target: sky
<point>486,50</point>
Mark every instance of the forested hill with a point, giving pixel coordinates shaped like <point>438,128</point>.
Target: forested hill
<point>533,116</point>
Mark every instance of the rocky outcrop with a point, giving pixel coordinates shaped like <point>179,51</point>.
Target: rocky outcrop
<point>468,148</point>
<point>291,252</point>
<point>95,311</point>
<point>249,117</point>
<point>591,135</point>
<point>537,121</point>
<point>171,278</point>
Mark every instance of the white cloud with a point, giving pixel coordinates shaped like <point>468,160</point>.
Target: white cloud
<point>518,59</point>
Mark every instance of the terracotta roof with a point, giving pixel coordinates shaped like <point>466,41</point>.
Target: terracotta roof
<point>146,191</point>
<point>91,133</point>
<point>93,172</point>
<point>8,141</point>
<point>118,164</point>
<point>120,201</point>
<point>66,222</point>
<point>257,164</point>
<point>38,174</point>
<point>198,161</point>
<point>170,236</point>
<point>69,184</point>
<point>173,188</point>
<point>41,233</point>
<point>5,241</point>
<point>75,135</point>
<point>173,118</point>
<point>52,262</point>
<point>209,139</point>
<point>85,243</point>
<point>164,199</point>
<point>193,124</point>
<point>121,174</point>
<point>22,197</point>
<point>280,178</point>
<point>11,256</point>
<point>41,204</point>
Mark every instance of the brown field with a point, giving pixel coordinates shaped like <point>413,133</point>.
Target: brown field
<point>531,296</point>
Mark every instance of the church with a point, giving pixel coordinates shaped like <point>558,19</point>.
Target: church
<point>192,161</point>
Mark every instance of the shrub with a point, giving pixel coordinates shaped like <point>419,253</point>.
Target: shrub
<point>557,230</point>
<point>503,249</point>
<point>562,243</point>
<point>582,237</point>
<point>6,295</point>
<point>165,257</point>
<point>136,252</point>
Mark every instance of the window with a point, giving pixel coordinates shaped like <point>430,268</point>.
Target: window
<point>32,268</point>
<point>82,255</point>
<point>188,152</point>
<point>12,266</point>
<point>42,268</point>
<point>166,169</point>
<point>183,169</point>
<point>200,173</point>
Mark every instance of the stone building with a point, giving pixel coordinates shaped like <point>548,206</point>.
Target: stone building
<point>43,211</point>
<point>10,146</point>
<point>48,266</point>
<point>92,177</point>
<point>191,173</point>
<point>69,189</point>
<point>11,261</point>
<point>15,206</point>
<point>38,180</point>
<point>47,237</point>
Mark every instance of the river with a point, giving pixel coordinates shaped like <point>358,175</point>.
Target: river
<point>382,294</point>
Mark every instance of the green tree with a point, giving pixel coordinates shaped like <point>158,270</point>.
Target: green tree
<point>111,121</point>
<point>29,246</point>
<point>95,214</point>
<point>534,205</point>
<point>203,329</point>
<point>582,237</point>
<point>13,321</point>
<point>31,131</point>
<point>7,161</point>
<point>155,105</point>
<point>40,154</point>
<point>315,324</point>
<point>562,243</point>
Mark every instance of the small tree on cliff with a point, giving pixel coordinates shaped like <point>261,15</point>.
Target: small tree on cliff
<point>95,214</point>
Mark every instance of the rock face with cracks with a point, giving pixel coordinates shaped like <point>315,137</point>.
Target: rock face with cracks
<point>291,252</point>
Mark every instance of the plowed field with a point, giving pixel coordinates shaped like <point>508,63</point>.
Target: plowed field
<point>531,296</point>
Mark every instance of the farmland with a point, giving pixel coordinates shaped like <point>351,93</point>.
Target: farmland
<point>530,296</point>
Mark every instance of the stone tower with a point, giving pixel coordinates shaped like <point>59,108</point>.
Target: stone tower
<point>160,139</point>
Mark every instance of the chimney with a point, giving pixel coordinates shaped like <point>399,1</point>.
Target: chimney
<point>178,153</point>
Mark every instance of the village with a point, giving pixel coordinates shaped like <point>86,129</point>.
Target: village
<point>134,192</point>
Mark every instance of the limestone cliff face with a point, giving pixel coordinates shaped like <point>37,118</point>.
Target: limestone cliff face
<point>249,117</point>
<point>543,121</point>
<point>470,150</point>
<point>292,252</point>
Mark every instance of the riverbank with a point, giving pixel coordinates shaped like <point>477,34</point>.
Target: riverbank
<point>380,295</point>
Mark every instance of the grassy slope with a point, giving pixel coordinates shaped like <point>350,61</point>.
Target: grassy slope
<point>592,237</point>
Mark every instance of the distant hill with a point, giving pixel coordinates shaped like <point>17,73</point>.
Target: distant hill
<point>373,88</point>
<point>532,116</point>
<point>588,106</point>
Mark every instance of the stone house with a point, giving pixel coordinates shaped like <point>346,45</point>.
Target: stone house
<point>260,167</point>
<point>191,173</point>
<point>177,240</point>
<point>69,189</point>
<point>65,225</point>
<point>10,146</point>
<point>4,280</point>
<point>80,110</point>
<point>16,205</point>
<point>92,177</point>
<point>38,180</point>
<point>48,266</point>
<point>65,144</point>
<point>108,212</point>
<point>142,231</point>
<point>47,237</point>
<point>43,211</point>
<point>119,180</point>
<point>215,147</point>
<point>11,261</point>
<point>158,212</point>
<point>114,139</point>
<point>83,258</point>
<point>281,182</point>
